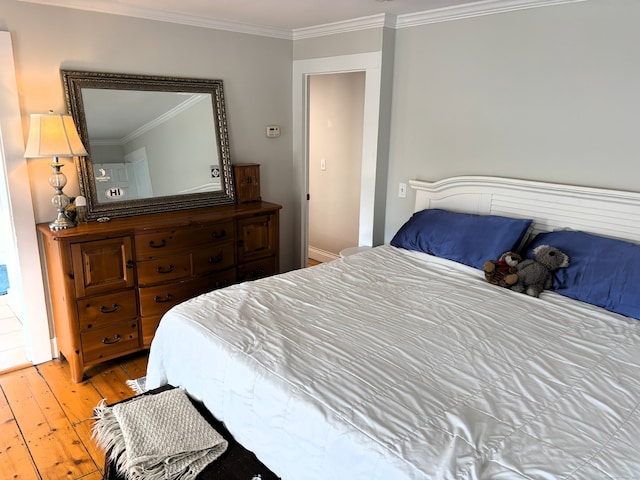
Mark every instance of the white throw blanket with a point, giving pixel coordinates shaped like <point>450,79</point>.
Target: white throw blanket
<point>159,436</point>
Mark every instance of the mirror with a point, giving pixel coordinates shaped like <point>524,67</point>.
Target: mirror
<point>155,144</point>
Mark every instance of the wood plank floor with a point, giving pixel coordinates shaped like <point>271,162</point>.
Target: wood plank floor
<point>45,419</point>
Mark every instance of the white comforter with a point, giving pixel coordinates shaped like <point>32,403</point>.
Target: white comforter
<point>392,364</point>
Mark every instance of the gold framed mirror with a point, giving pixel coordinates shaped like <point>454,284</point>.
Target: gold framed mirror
<point>155,143</point>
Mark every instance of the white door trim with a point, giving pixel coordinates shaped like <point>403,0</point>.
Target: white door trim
<point>27,297</point>
<point>370,63</point>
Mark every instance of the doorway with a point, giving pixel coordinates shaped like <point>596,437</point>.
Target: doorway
<point>13,351</point>
<point>303,70</point>
<point>26,296</point>
<point>336,113</point>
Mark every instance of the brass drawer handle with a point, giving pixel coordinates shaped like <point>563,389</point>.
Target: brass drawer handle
<point>113,308</point>
<point>116,339</point>
<point>153,244</point>
<point>217,259</point>
<point>221,234</point>
<point>168,270</point>
<point>159,299</point>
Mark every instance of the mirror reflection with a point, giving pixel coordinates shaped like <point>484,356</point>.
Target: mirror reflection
<point>137,138</point>
<point>154,143</point>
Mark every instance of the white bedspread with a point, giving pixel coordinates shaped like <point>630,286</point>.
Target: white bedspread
<point>392,364</point>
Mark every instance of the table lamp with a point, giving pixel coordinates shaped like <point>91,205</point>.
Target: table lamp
<point>53,136</point>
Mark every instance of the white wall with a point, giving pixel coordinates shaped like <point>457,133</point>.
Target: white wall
<point>336,111</point>
<point>256,72</point>
<point>547,94</point>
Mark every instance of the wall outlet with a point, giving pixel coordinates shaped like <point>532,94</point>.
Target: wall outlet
<point>402,190</point>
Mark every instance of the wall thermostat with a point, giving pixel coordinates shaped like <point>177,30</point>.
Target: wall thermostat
<point>273,131</point>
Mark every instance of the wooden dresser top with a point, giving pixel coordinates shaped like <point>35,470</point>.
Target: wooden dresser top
<point>155,221</point>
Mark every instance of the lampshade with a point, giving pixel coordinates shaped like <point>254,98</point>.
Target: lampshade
<point>53,135</point>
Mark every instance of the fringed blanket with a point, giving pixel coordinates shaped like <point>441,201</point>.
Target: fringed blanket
<point>158,436</point>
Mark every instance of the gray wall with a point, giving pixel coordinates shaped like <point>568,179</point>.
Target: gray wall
<point>360,41</point>
<point>547,94</point>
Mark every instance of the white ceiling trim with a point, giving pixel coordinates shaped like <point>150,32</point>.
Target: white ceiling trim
<point>487,7</point>
<point>374,21</point>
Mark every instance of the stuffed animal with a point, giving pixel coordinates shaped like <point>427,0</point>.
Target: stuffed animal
<point>536,275</point>
<point>502,272</point>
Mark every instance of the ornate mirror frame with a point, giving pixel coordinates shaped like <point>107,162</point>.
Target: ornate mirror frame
<point>75,81</point>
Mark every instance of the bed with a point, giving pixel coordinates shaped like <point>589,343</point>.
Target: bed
<point>405,363</point>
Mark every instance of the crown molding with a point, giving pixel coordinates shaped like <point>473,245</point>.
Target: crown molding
<point>458,12</point>
<point>362,23</point>
<point>477,9</point>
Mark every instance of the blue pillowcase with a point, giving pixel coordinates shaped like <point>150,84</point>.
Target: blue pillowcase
<point>463,237</point>
<point>602,271</point>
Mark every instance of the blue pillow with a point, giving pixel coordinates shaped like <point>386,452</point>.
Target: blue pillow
<point>602,271</point>
<point>462,237</point>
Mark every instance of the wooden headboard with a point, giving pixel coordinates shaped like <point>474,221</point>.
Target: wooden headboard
<point>552,206</point>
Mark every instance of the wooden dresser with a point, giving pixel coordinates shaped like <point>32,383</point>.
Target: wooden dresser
<point>110,283</point>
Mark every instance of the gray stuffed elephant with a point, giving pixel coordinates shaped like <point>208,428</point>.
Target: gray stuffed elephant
<point>534,276</point>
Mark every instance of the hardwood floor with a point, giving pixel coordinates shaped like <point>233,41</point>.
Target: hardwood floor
<point>45,419</point>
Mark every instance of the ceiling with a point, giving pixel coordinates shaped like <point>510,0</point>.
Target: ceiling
<point>286,17</point>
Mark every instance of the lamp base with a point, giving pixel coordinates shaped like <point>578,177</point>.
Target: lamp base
<point>61,222</point>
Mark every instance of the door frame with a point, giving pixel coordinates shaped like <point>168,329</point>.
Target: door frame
<point>27,296</point>
<point>369,63</point>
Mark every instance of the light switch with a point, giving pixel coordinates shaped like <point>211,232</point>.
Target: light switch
<point>323,164</point>
<point>402,190</point>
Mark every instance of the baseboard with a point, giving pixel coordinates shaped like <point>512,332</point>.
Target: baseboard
<point>322,255</point>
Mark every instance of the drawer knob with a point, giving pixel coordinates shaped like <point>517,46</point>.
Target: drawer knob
<point>217,259</point>
<point>222,233</point>
<point>116,339</point>
<point>113,308</point>
<point>257,273</point>
<point>166,270</point>
<point>159,299</point>
<point>153,244</point>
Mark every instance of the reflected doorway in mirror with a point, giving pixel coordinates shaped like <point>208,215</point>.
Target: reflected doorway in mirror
<point>179,123</point>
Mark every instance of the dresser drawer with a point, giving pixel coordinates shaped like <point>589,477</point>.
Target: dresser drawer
<point>148,327</point>
<point>164,269</point>
<point>257,237</point>
<point>102,266</point>
<point>158,299</point>
<point>213,258</point>
<point>258,269</point>
<point>105,310</point>
<point>110,341</point>
<point>167,242</point>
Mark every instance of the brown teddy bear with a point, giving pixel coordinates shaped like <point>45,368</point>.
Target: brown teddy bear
<point>502,272</point>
